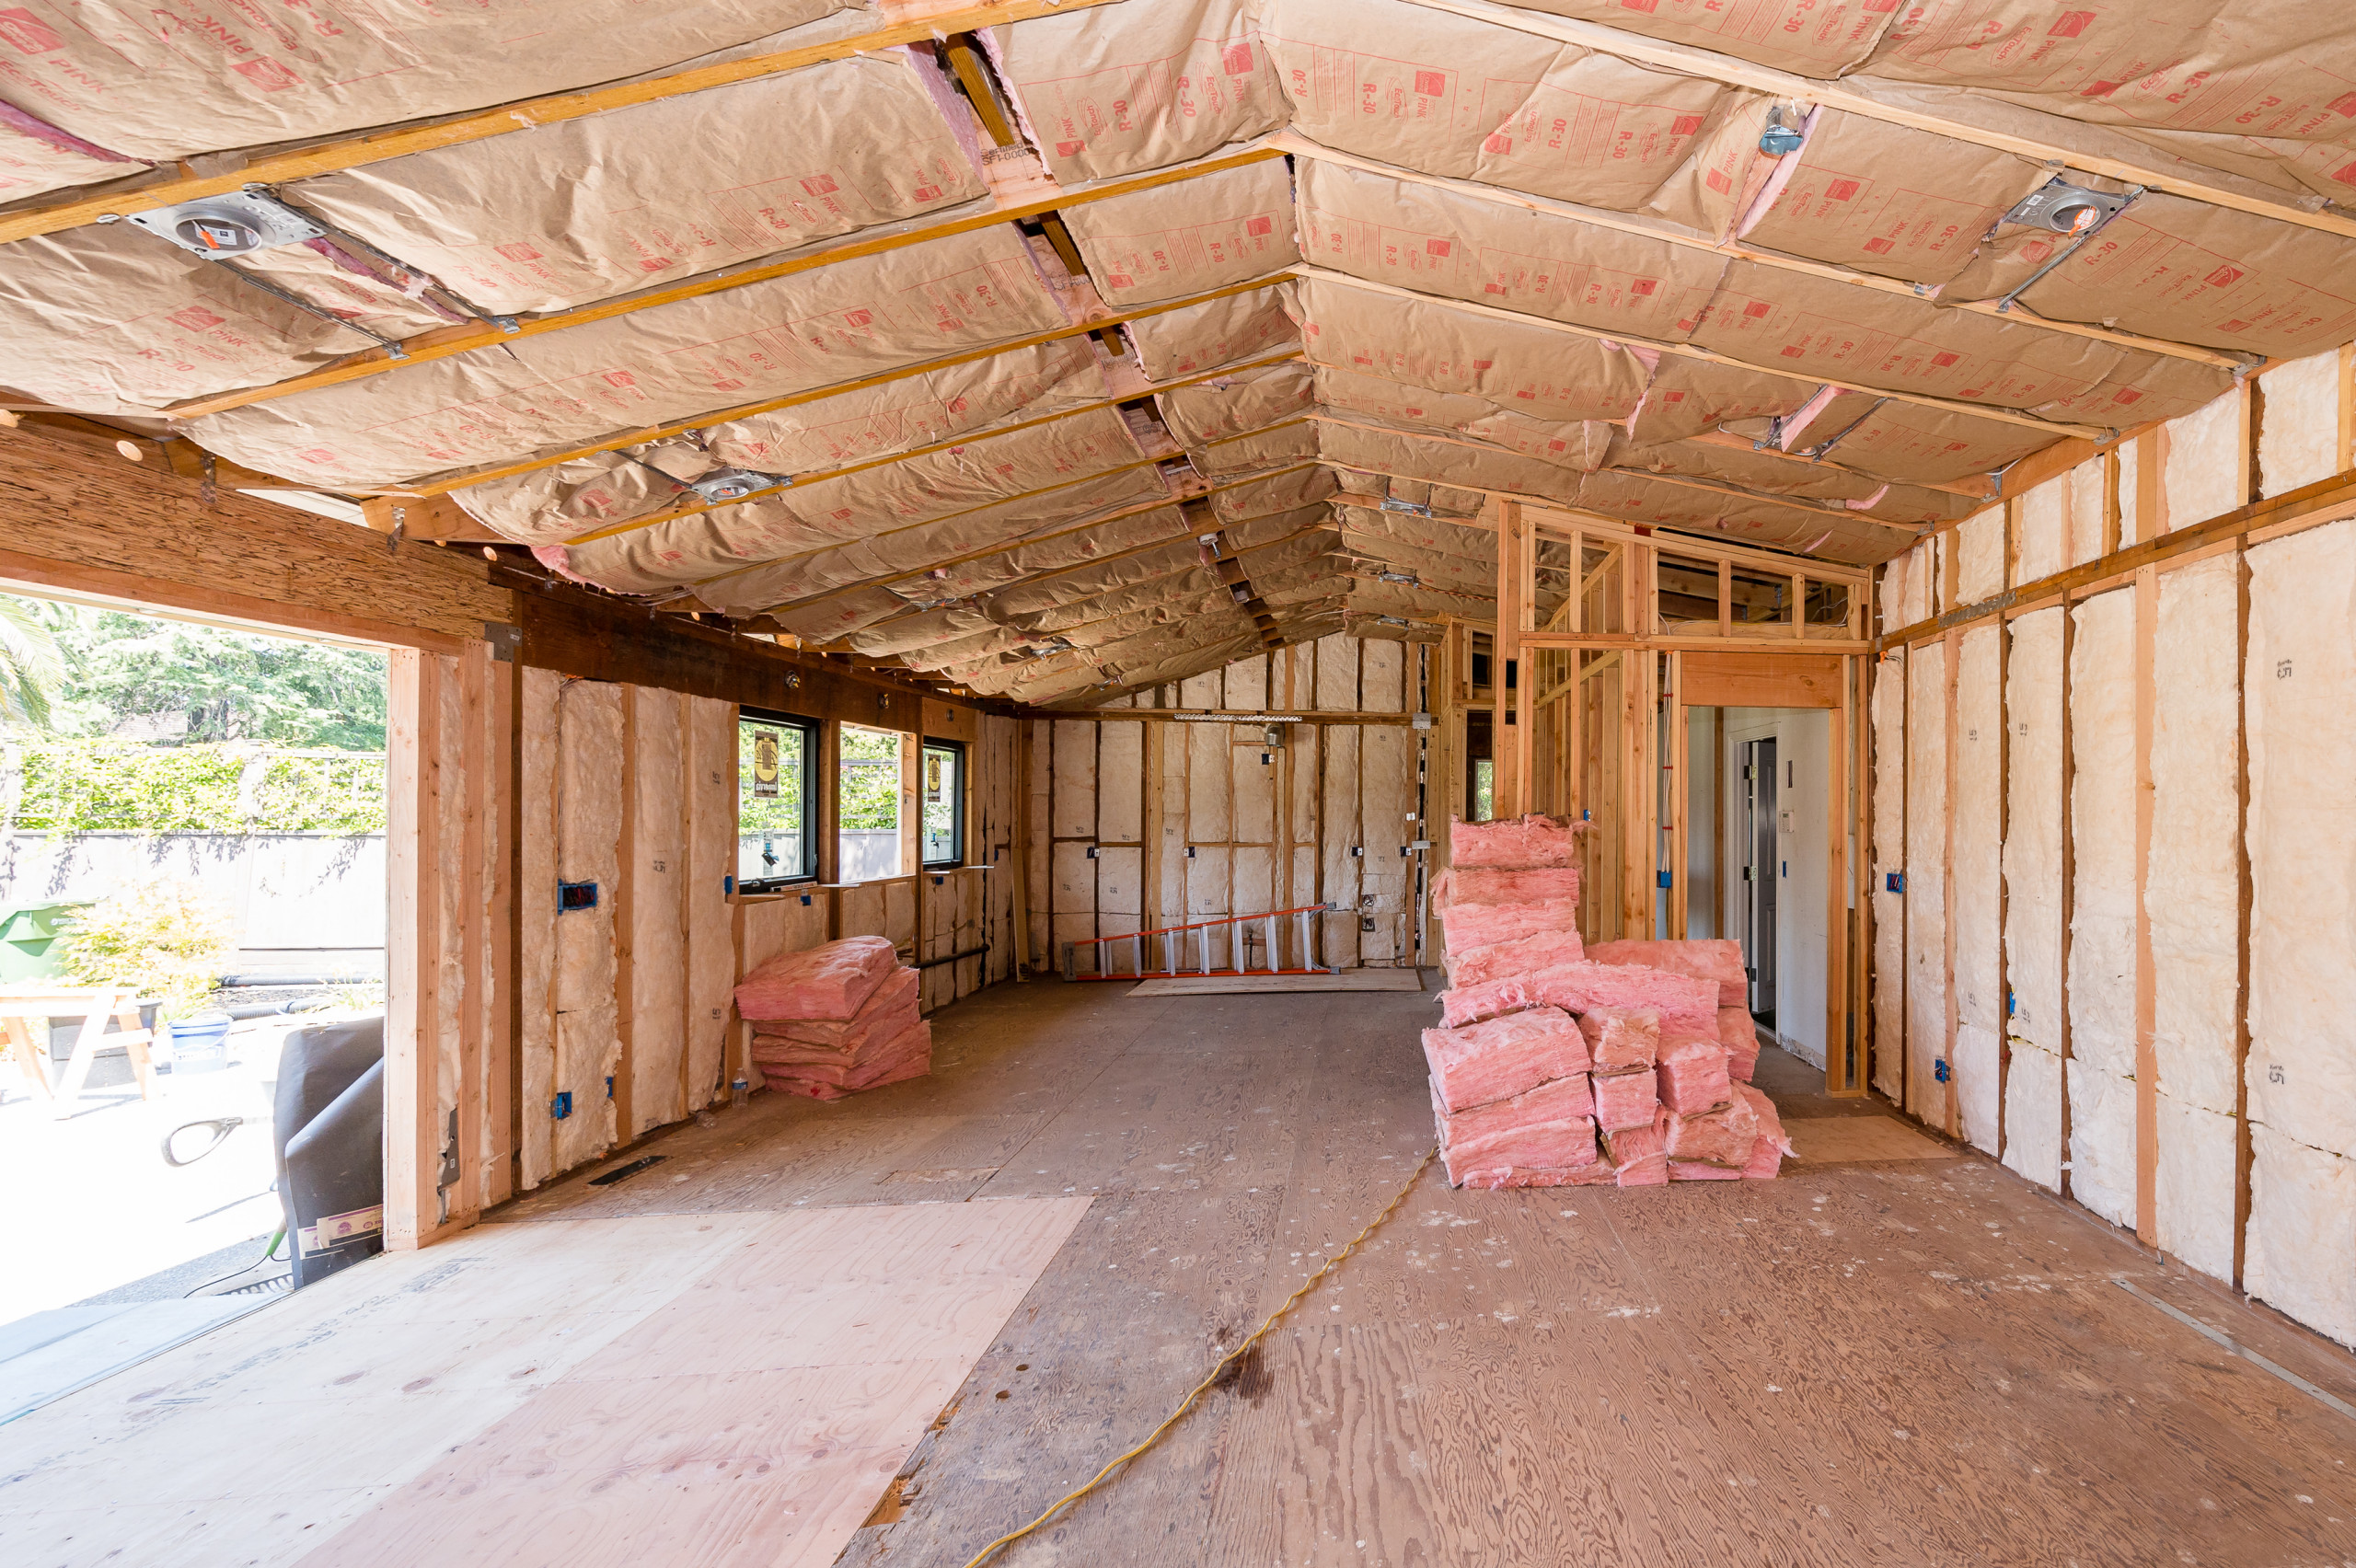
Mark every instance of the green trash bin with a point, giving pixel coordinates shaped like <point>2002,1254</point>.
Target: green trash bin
<point>28,941</point>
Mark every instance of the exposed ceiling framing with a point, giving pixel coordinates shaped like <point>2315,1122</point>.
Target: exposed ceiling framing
<point>1064,347</point>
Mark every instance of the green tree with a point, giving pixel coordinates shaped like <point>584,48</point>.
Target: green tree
<point>871,779</point>
<point>230,686</point>
<point>32,667</point>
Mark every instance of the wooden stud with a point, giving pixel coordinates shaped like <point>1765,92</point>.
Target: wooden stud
<point>625,928</point>
<point>2069,868</point>
<point>1837,1076</point>
<point>2242,1154</point>
<point>1680,851</point>
<point>412,948</point>
<point>474,946</point>
<point>2147,1074</point>
<point>1505,735</point>
<point>1951,674</point>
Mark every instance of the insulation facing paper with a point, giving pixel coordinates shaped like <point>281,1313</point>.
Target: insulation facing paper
<point>2299,686</point>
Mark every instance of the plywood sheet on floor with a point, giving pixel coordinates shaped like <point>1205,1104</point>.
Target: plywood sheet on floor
<point>1836,1140</point>
<point>1250,984</point>
<point>721,1388</point>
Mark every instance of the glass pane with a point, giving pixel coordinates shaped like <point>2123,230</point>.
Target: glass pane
<point>868,805</point>
<point>943,784</point>
<point>1485,789</point>
<point>772,762</point>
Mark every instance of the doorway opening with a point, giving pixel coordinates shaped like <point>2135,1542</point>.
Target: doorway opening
<point>193,964</point>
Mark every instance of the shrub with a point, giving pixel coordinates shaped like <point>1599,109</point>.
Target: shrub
<point>164,937</point>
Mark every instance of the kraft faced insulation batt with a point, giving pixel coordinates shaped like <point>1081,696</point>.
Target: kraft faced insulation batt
<point>1977,807</point>
<point>1927,849</point>
<point>2102,923</point>
<point>2300,1254</point>
<point>2300,686</point>
<point>2192,885</point>
<point>658,945</point>
<point>1887,702</point>
<point>2298,435</point>
<point>589,808</point>
<point>2033,703</point>
<point>537,918</point>
<point>1187,238</point>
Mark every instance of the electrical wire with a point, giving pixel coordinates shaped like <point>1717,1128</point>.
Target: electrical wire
<point>1187,1403</point>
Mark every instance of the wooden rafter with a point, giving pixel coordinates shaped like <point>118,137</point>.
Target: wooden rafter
<point>445,341</point>
<point>1688,351</point>
<point>1686,60</point>
<point>1734,250</point>
<point>443,484</point>
<point>500,119</point>
<point>691,504</point>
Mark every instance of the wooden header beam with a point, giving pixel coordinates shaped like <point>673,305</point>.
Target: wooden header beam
<point>328,158</point>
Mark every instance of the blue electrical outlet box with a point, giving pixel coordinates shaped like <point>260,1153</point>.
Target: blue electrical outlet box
<point>562,1106</point>
<point>571,896</point>
<point>1939,1069</point>
<point>1662,877</point>
<point>1894,881</point>
<point>728,887</point>
<point>609,1084</point>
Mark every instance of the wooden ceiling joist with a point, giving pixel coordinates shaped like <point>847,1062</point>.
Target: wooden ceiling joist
<point>1686,60</point>
<point>277,165</point>
<point>1734,250</point>
<point>443,484</point>
<point>689,503</point>
<point>445,341</point>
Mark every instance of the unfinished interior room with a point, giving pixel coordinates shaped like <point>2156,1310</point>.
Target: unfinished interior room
<point>1366,782</point>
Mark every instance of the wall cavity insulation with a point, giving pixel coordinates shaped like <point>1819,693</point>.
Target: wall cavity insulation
<point>1175,351</point>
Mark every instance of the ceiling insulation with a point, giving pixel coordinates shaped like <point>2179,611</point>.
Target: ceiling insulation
<point>854,353</point>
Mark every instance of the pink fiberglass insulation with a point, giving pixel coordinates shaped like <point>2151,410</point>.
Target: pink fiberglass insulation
<point>1518,843</point>
<point>1497,1060</point>
<point>1695,1170</point>
<point>1723,1136</point>
<point>906,1056</point>
<point>1686,1006</point>
<point>1552,1127</point>
<point>1454,887</point>
<point>1768,1150</point>
<point>1739,1036</point>
<point>826,982</point>
<point>1625,1102</point>
<point>1470,926</point>
<point>889,1009</point>
<point>1718,960</point>
<point>1621,1038</point>
<point>1640,1155</point>
<point>1474,966</point>
<point>1692,1075</point>
<point>1596,1174</point>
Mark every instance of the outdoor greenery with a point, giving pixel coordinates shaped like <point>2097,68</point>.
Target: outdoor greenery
<point>871,779</point>
<point>164,937</point>
<point>98,785</point>
<point>65,670</point>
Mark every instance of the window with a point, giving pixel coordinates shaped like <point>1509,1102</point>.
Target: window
<point>943,782</point>
<point>867,800</point>
<point>777,800</point>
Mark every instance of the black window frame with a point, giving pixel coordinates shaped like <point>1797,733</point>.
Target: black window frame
<point>957,817</point>
<point>813,754</point>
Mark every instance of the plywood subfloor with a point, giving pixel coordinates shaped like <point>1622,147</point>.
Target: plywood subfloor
<point>709,1389</point>
<point>1883,1361</point>
<point>1259,984</point>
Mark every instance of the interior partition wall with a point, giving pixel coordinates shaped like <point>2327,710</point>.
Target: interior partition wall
<point>1606,636</point>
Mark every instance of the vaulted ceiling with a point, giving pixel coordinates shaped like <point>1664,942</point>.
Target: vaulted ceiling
<point>1055,351</point>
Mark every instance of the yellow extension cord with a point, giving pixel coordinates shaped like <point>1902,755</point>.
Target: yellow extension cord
<point>1187,1403</point>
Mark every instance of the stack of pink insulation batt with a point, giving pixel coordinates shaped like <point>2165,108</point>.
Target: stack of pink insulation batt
<point>1627,1063</point>
<point>834,1019</point>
